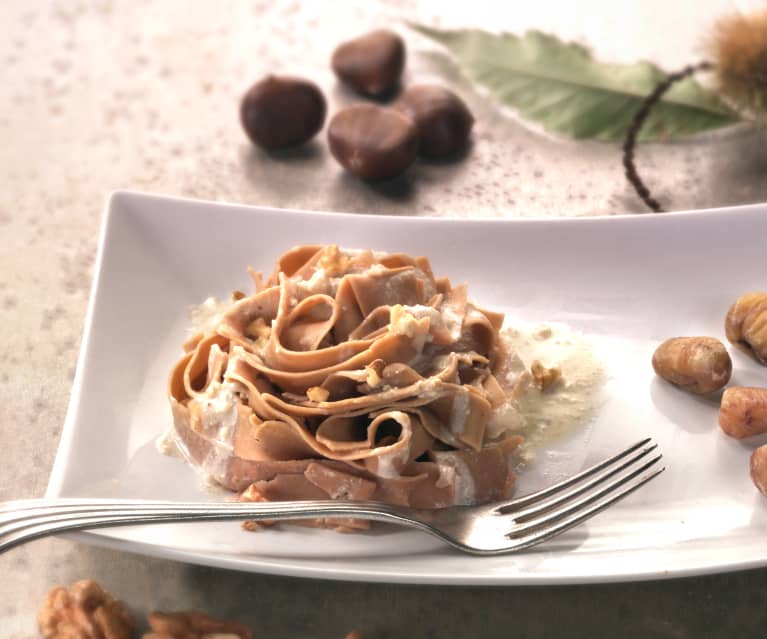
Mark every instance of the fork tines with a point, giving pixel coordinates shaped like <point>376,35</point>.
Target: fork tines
<point>550,511</point>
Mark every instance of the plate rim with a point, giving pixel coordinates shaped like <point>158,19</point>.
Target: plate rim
<point>119,194</point>
<point>296,570</point>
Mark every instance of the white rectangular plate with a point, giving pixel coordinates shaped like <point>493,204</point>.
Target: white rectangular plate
<point>631,281</point>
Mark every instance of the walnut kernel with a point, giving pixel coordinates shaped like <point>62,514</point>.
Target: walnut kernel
<point>373,373</point>
<point>696,364</point>
<point>317,394</point>
<point>253,494</point>
<point>84,611</point>
<point>258,329</point>
<point>544,377</point>
<point>746,325</point>
<point>743,411</point>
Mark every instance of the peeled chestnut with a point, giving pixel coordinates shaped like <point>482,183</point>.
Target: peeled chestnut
<point>699,365</point>
<point>281,111</point>
<point>746,325</point>
<point>443,120</point>
<point>371,64</point>
<point>373,142</point>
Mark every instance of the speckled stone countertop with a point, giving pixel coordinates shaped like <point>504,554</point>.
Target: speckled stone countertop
<point>106,94</point>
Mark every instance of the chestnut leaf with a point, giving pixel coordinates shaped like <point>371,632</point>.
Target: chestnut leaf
<point>560,86</point>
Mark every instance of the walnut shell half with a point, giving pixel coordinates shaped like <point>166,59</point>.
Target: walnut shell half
<point>746,325</point>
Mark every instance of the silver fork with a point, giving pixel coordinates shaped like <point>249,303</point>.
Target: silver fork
<point>487,529</point>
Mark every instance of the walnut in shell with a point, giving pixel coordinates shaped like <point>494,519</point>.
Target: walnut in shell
<point>746,325</point>
<point>83,611</point>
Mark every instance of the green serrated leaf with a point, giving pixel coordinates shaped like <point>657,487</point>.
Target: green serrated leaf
<point>562,87</point>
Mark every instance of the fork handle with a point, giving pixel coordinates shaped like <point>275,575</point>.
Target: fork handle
<point>25,520</point>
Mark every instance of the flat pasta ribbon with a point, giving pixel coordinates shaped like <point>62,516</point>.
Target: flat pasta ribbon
<point>348,375</point>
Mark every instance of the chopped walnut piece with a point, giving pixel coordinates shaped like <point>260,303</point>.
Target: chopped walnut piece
<point>544,377</point>
<point>84,611</point>
<point>258,329</point>
<point>543,332</point>
<point>333,261</point>
<point>353,635</point>
<point>193,624</point>
<point>373,373</point>
<point>251,493</point>
<point>317,394</point>
<point>237,295</point>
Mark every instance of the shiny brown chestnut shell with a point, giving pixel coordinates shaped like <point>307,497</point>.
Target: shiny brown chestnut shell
<point>282,111</point>
<point>443,120</point>
<point>371,64</point>
<point>373,142</point>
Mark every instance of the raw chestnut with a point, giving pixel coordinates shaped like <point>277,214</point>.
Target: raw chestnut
<point>443,120</point>
<point>371,64</point>
<point>281,111</point>
<point>372,142</point>
<point>696,364</point>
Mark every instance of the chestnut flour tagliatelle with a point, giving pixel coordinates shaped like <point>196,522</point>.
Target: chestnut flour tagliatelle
<point>350,375</point>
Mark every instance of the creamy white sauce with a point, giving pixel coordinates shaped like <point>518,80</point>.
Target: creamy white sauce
<point>459,411</point>
<point>205,317</point>
<point>465,490</point>
<point>390,464</point>
<point>354,252</point>
<point>419,311</point>
<point>218,411</point>
<point>402,322</point>
<point>219,406</point>
<point>507,418</point>
<point>342,490</point>
<point>452,320</point>
<point>542,416</point>
<point>453,470</point>
<point>446,475</point>
<point>409,322</point>
<point>167,443</point>
<point>320,283</point>
<point>215,464</point>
